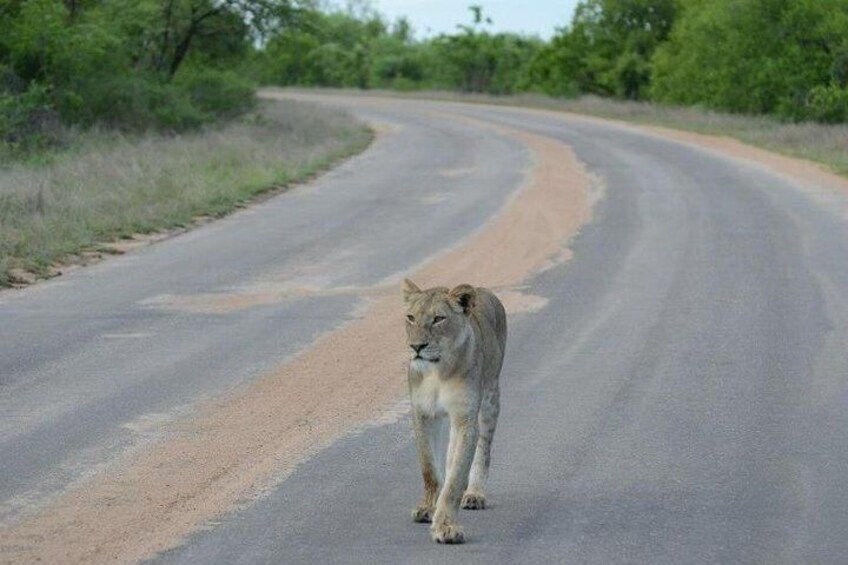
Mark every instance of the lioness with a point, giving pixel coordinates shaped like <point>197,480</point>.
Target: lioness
<point>457,338</point>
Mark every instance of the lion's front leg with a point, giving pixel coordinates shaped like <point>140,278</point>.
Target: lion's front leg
<point>475,496</point>
<point>426,431</point>
<point>463,440</point>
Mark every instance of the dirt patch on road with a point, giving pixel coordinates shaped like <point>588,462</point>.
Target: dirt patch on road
<point>531,232</point>
<point>517,302</point>
<point>236,448</point>
<point>252,296</point>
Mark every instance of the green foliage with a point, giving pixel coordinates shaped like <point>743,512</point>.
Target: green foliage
<point>359,50</point>
<point>606,50</point>
<point>757,56</point>
<point>127,64</point>
<point>27,121</point>
<point>474,60</point>
<point>397,62</point>
<point>783,57</point>
<point>136,103</point>
<point>217,93</point>
<point>828,104</point>
<point>177,64</point>
<point>335,49</point>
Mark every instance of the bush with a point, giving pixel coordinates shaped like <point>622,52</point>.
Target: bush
<point>132,102</point>
<point>33,119</point>
<point>217,93</point>
<point>28,120</point>
<point>828,104</point>
<point>757,56</point>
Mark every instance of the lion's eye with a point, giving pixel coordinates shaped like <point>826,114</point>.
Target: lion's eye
<point>410,318</point>
<point>438,320</point>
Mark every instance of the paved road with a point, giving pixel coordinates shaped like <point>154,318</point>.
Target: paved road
<point>682,397</point>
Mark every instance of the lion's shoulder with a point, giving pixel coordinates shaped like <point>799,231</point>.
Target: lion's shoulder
<point>491,315</point>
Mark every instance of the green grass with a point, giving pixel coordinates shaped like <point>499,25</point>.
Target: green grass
<point>822,143</point>
<point>110,187</point>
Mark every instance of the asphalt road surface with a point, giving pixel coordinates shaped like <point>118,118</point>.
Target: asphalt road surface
<point>682,397</point>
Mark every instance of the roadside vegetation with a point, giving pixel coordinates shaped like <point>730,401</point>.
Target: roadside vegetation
<point>112,186</point>
<point>131,66</point>
<point>122,117</point>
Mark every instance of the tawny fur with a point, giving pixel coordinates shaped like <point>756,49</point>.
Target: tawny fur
<point>457,339</point>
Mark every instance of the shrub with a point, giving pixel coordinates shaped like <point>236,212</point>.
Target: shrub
<point>27,120</point>
<point>217,93</point>
<point>828,104</point>
<point>757,56</point>
<point>132,102</point>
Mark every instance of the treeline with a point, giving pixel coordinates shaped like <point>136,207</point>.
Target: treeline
<point>127,64</point>
<point>177,64</point>
<point>783,57</point>
<point>357,48</point>
<point>788,58</point>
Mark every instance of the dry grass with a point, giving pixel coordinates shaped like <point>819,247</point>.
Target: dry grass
<point>110,187</point>
<point>826,144</point>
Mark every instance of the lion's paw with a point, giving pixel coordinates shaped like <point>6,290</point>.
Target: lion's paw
<point>448,533</point>
<point>423,514</point>
<point>474,501</point>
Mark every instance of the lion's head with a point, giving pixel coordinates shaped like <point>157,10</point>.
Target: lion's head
<point>437,321</point>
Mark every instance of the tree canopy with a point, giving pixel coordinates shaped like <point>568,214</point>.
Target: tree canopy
<point>786,57</point>
<point>176,64</point>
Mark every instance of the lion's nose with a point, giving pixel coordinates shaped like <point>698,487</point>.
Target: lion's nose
<point>417,347</point>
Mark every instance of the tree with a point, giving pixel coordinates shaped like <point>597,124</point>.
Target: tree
<point>332,49</point>
<point>755,56</point>
<point>114,61</point>
<point>182,22</point>
<point>607,48</point>
<point>474,60</point>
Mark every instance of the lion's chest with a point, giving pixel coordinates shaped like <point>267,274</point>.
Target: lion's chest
<point>431,395</point>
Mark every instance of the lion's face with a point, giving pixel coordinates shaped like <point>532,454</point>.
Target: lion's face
<point>436,321</point>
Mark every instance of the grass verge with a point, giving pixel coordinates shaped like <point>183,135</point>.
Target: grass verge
<point>111,187</point>
<point>822,143</point>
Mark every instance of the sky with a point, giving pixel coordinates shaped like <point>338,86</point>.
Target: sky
<point>431,17</point>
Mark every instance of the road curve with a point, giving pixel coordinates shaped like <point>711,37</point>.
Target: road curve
<point>674,392</point>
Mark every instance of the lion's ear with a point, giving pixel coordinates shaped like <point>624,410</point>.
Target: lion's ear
<point>462,298</point>
<point>409,289</point>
